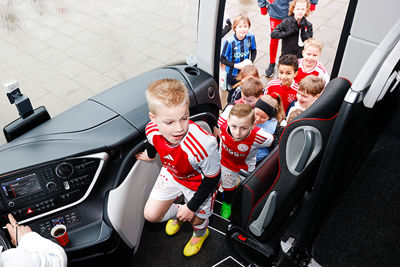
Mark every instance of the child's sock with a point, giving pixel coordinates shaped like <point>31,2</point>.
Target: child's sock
<point>200,230</point>
<point>226,205</point>
<point>171,212</point>
<point>228,196</point>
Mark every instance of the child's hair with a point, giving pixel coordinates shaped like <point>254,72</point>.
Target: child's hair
<point>289,60</point>
<point>167,92</point>
<point>238,19</point>
<point>252,87</point>
<point>247,71</point>
<point>275,102</point>
<point>312,85</point>
<point>312,42</point>
<point>294,114</point>
<point>293,3</point>
<point>242,110</point>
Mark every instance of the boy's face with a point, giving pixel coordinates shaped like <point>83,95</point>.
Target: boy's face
<point>240,128</point>
<point>251,100</point>
<point>261,116</point>
<point>300,10</point>
<point>311,55</point>
<point>286,74</point>
<point>306,100</point>
<point>241,29</point>
<point>172,122</point>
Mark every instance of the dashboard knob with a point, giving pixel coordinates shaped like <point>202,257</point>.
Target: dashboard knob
<point>11,204</point>
<point>51,186</point>
<point>64,170</point>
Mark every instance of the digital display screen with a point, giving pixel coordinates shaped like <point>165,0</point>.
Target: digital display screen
<point>21,186</point>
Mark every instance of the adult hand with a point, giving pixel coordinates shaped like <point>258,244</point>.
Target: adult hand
<point>16,231</point>
<point>185,214</point>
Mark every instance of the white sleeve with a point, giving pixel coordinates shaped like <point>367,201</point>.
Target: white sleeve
<point>210,166</point>
<point>224,115</point>
<point>34,250</point>
<point>325,77</point>
<point>263,139</point>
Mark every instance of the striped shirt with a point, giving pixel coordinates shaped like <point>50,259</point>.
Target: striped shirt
<point>196,155</point>
<point>236,51</point>
<point>287,94</point>
<point>236,155</point>
<point>319,70</point>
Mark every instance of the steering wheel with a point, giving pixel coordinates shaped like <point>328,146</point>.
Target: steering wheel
<point>4,242</point>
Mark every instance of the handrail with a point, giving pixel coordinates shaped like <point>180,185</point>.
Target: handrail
<point>384,79</point>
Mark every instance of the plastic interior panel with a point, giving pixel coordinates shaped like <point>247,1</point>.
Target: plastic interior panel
<point>381,83</point>
<point>374,62</point>
<point>126,202</point>
<point>385,16</point>
<point>257,226</point>
<point>204,125</point>
<point>296,144</point>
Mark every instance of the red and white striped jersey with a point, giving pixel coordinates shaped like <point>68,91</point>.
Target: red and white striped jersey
<point>319,70</point>
<point>242,155</point>
<point>287,94</point>
<point>196,155</point>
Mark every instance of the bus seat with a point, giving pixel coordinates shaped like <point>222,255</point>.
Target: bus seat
<point>266,199</point>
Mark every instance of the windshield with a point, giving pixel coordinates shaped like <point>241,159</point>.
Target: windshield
<point>62,52</point>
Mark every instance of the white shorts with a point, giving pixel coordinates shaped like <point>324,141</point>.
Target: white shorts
<point>166,188</point>
<point>230,179</point>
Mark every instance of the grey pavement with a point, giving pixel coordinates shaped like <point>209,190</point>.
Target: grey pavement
<point>62,52</point>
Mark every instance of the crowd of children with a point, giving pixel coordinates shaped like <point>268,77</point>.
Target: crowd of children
<point>248,127</point>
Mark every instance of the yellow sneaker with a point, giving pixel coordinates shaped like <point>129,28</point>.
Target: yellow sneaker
<point>194,244</point>
<point>173,226</point>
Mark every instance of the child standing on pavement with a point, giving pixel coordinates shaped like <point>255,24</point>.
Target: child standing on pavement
<point>238,51</point>
<point>285,85</point>
<point>268,113</point>
<point>309,64</point>
<point>240,140</point>
<point>178,140</point>
<point>295,29</point>
<point>278,10</point>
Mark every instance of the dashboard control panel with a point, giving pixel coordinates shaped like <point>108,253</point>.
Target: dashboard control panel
<point>69,219</point>
<point>38,191</point>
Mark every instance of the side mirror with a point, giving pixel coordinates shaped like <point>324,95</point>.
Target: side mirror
<point>29,117</point>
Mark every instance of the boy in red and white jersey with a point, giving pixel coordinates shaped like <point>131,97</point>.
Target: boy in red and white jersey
<point>240,140</point>
<point>309,64</point>
<point>191,163</point>
<point>285,86</point>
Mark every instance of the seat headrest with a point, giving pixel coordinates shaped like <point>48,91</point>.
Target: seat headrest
<point>329,102</point>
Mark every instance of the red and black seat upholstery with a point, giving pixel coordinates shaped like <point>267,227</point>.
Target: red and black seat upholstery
<point>267,198</point>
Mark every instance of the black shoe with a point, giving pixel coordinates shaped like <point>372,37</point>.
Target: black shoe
<point>270,71</point>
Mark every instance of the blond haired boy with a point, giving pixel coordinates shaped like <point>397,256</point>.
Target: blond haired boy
<point>240,140</point>
<point>191,164</point>
<point>309,64</point>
